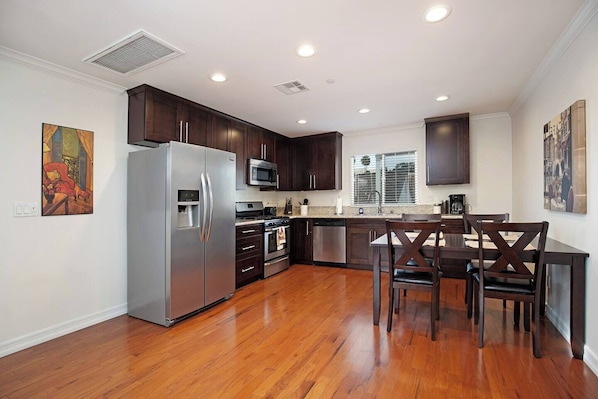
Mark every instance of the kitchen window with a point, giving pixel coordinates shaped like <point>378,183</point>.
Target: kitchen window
<point>393,176</point>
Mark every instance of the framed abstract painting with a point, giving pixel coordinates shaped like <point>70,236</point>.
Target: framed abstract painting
<point>67,171</point>
<point>565,179</point>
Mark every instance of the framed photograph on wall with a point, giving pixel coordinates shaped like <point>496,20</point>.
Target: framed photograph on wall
<point>67,171</point>
<point>565,187</point>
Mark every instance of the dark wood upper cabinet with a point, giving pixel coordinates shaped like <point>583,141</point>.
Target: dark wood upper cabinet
<point>447,149</point>
<point>317,162</point>
<point>306,163</point>
<point>284,160</point>
<point>158,117</point>
<point>237,135</point>
<point>195,125</point>
<point>218,132</point>
<point>261,144</point>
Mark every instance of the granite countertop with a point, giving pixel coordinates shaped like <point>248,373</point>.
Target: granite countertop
<point>343,216</point>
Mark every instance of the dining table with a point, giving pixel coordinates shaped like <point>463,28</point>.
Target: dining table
<point>455,247</point>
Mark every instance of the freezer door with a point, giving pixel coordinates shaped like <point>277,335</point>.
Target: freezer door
<point>185,253</point>
<point>220,236</point>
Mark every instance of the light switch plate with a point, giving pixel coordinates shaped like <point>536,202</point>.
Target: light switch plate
<point>25,209</point>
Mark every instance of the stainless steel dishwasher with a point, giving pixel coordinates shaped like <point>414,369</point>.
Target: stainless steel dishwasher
<point>329,241</point>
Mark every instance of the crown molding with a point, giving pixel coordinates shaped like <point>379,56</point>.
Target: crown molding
<point>40,65</point>
<point>584,15</point>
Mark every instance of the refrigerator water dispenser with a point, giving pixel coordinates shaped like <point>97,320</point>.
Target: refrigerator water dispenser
<point>188,209</point>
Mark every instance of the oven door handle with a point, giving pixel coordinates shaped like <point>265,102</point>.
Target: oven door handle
<point>271,229</point>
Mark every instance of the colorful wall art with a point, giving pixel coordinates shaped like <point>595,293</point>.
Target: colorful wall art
<point>565,160</point>
<point>67,171</point>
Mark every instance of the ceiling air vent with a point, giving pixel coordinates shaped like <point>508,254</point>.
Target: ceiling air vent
<point>135,53</point>
<point>292,87</point>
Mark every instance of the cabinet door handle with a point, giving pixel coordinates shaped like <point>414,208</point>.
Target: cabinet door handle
<point>277,181</point>
<point>181,131</point>
<point>248,269</point>
<point>428,173</point>
<point>186,132</point>
<point>307,228</point>
<point>314,182</point>
<point>248,231</point>
<point>248,247</point>
<point>265,151</point>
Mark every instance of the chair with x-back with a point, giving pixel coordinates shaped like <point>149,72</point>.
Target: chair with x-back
<point>409,268</point>
<point>516,252</point>
<point>471,223</point>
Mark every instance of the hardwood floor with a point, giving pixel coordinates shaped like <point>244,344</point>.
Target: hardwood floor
<point>304,333</point>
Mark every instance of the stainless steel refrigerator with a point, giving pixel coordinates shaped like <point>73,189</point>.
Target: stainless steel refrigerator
<point>180,230</point>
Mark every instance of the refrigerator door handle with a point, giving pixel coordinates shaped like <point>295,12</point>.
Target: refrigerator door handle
<point>211,193</point>
<point>204,219</point>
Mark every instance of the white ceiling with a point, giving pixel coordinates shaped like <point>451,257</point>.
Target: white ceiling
<point>380,53</point>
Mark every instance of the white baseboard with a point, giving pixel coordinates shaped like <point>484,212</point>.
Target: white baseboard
<point>561,325</point>
<point>589,356</point>
<point>47,334</point>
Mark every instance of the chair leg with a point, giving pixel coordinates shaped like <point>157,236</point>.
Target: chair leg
<point>504,303</point>
<point>433,313</point>
<point>516,313</point>
<point>468,283</point>
<point>536,333</point>
<point>397,299</point>
<point>438,302</point>
<point>481,319</point>
<point>391,299</point>
<point>469,294</point>
<point>526,316</point>
<point>476,305</point>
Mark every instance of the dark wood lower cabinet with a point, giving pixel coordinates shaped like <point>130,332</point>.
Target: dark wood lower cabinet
<point>360,232</point>
<point>302,244</point>
<point>250,254</point>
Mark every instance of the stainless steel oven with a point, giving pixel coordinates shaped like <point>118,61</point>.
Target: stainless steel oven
<point>277,245</point>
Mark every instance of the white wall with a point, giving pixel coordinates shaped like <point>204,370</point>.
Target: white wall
<point>59,273</point>
<point>490,180</point>
<point>574,76</point>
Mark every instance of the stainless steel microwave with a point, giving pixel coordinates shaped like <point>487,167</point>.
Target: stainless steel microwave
<point>261,173</point>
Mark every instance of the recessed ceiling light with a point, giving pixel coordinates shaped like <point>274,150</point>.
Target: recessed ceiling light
<point>364,111</point>
<point>302,121</point>
<point>442,98</point>
<point>437,13</point>
<point>306,51</point>
<point>218,77</point>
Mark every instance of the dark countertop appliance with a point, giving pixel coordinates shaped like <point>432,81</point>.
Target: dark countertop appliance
<point>456,204</point>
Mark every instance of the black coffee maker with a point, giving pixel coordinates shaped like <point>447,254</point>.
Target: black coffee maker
<point>456,204</point>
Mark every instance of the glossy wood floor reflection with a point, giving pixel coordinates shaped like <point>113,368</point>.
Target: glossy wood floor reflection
<point>304,333</point>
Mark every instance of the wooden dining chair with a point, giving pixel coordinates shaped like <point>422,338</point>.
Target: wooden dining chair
<point>471,223</point>
<point>419,217</point>
<point>409,269</point>
<point>515,272</point>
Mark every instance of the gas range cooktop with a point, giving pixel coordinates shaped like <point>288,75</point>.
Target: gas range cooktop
<point>255,211</point>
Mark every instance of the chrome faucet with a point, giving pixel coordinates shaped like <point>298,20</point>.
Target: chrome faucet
<point>379,210</point>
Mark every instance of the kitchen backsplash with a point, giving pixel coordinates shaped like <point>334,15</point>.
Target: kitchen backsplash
<point>322,203</point>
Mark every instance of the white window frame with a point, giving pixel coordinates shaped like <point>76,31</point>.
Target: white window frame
<point>366,191</point>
